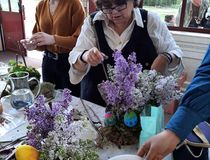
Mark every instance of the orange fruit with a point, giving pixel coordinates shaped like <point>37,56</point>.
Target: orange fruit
<point>26,152</point>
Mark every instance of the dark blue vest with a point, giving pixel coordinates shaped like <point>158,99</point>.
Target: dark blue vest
<point>139,42</point>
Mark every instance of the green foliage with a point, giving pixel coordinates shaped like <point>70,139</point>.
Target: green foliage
<point>12,62</point>
<point>161,3</point>
<point>20,67</point>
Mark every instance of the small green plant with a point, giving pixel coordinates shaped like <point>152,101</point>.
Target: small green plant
<point>14,67</point>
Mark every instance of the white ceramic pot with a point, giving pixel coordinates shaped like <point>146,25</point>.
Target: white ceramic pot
<point>126,157</point>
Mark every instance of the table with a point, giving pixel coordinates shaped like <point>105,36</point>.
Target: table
<point>20,128</point>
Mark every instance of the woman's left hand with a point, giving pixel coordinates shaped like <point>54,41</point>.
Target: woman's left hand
<point>41,38</point>
<point>160,64</point>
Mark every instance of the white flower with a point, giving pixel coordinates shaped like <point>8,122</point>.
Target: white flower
<point>86,131</point>
<point>65,138</point>
<point>51,154</point>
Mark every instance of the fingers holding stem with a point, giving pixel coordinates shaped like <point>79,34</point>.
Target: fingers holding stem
<point>94,56</point>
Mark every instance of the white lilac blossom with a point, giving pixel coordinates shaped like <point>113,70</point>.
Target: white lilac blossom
<point>53,131</point>
<point>129,87</point>
<point>158,89</point>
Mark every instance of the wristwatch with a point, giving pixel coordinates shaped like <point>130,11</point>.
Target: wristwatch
<point>168,56</point>
<point>81,59</point>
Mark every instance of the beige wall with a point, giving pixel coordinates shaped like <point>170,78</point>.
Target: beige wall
<point>194,46</point>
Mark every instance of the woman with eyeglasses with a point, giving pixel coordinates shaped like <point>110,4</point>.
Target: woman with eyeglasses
<point>119,25</point>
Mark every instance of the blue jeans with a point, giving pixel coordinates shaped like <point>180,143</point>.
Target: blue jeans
<point>56,72</point>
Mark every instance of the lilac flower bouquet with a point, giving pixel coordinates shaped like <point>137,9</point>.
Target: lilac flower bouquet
<point>56,133</point>
<point>129,90</point>
<point>119,90</point>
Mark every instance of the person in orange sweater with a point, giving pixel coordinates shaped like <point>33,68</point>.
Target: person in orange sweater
<point>58,24</point>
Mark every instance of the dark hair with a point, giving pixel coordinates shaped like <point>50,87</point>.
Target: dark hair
<point>108,3</point>
<point>168,18</point>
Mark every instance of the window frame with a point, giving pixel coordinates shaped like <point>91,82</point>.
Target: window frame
<point>10,6</point>
<point>180,27</point>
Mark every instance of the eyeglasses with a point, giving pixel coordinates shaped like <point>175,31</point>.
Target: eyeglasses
<point>117,8</point>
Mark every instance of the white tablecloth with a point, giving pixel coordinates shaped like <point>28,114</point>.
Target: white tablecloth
<point>20,128</point>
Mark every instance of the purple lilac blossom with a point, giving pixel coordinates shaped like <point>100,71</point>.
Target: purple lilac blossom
<point>41,117</point>
<point>110,92</point>
<point>119,91</point>
<point>126,76</point>
<point>130,87</point>
<point>120,68</point>
<point>41,121</point>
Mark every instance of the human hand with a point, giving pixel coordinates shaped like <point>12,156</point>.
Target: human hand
<point>94,56</point>
<point>157,147</point>
<point>160,64</point>
<point>41,38</point>
<point>28,44</point>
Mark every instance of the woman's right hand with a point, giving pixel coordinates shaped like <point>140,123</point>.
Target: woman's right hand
<point>94,57</point>
<point>28,44</point>
<point>159,146</point>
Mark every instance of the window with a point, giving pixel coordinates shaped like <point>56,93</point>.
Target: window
<point>4,5</point>
<point>9,5</point>
<point>14,5</point>
<point>182,15</point>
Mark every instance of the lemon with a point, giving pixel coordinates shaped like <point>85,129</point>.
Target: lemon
<point>26,152</point>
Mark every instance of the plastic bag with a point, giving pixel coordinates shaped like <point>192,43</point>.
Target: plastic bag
<point>151,125</point>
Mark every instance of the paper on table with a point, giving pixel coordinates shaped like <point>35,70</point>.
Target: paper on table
<point>10,119</point>
<point>3,69</point>
<point>7,123</point>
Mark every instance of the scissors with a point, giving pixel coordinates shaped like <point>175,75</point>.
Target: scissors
<point>11,149</point>
<point>95,123</point>
<point>9,145</point>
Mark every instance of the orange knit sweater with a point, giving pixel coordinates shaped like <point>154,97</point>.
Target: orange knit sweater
<point>65,24</point>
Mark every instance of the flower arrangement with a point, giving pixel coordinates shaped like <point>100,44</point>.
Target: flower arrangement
<point>56,130</point>
<point>128,91</point>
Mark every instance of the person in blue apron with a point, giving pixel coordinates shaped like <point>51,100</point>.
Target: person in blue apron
<point>193,109</point>
<point>119,25</point>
